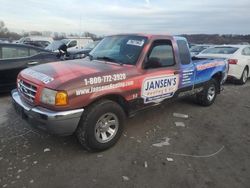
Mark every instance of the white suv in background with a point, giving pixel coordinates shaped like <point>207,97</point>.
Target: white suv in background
<point>75,43</point>
<point>238,59</point>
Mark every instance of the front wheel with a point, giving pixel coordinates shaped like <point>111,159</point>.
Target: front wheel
<point>101,125</point>
<point>208,94</point>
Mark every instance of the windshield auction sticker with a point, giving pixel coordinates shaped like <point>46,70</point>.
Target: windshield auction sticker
<point>156,89</point>
<point>136,42</point>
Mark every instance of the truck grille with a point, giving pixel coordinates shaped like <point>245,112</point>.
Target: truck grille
<point>27,90</point>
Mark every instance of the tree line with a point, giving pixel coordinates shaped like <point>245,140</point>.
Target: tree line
<point>5,34</point>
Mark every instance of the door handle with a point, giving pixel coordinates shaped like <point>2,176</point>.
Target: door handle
<point>32,63</point>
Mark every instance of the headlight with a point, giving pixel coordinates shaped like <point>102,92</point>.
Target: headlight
<point>58,98</point>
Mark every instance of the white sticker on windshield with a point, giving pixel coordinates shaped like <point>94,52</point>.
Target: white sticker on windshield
<point>136,42</point>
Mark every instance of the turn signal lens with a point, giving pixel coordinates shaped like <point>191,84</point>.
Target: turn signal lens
<point>61,98</point>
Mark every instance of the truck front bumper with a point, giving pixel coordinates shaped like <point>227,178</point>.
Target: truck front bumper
<point>55,122</point>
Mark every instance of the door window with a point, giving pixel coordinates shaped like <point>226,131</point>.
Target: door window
<point>246,51</point>
<point>33,52</point>
<point>73,43</point>
<point>14,52</point>
<point>161,55</point>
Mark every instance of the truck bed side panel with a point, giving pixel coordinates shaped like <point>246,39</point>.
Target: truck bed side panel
<point>205,69</point>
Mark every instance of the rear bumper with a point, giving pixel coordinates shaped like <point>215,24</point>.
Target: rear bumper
<point>235,71</point>
<point>55,122</point>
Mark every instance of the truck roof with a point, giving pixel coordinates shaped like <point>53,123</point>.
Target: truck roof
<point>145,35</point>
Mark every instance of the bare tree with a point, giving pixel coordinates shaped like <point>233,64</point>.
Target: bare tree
<point>5,33</point>
<point>3,29</point>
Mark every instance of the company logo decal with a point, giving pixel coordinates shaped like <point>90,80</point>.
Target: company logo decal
<point>156,89</point>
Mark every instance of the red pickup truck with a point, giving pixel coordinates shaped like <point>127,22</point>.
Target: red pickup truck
<point>122,75</point>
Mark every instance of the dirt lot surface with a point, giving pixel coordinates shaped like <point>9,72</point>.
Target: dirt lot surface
<point>211,149</point>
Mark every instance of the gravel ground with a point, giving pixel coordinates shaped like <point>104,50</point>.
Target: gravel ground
<point>208,149</point>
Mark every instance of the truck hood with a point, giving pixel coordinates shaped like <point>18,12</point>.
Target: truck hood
<point>52,75</point>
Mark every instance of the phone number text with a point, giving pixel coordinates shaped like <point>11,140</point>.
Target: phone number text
<point>105,79</point>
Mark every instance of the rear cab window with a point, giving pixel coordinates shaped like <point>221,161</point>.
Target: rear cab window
<point>184,53</point>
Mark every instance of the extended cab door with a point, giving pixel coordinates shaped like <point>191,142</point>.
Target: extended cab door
<point>160,72</point>
<point>187,68</point>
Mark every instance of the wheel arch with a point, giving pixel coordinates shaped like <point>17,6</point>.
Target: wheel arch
<point>247,69</point>
<point>218,77</point>
<point>119,99</point>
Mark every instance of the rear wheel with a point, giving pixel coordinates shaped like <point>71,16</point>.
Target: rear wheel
<point>208,94</point>
<point>101,125</point>
<point>244,76</point>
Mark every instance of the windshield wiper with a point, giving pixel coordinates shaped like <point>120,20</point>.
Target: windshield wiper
<point>105,58</point>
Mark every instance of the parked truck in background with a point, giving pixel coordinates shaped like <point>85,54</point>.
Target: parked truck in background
<point>124,74</point>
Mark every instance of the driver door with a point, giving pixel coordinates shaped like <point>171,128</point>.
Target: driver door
<point>161,76</point>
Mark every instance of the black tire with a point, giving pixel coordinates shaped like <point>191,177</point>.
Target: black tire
<point>243,80</point>
<point>87,131</point>
<point>205,98</point>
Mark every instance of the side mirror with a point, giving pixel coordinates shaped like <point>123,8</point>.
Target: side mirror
<point>151,63</point>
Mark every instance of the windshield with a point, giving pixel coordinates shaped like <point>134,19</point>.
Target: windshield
<point>91,45</point>
<point>54,45</point>
<point>65,41</point>
<point>119,49</point>
<point>21,40</point>
<point>220,50</point>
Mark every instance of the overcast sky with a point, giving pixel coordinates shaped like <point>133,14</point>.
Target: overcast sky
<point>119,16</point>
